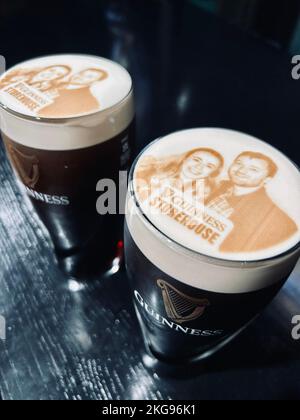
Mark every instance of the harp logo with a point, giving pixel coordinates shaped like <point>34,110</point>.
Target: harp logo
<point>181,308</point>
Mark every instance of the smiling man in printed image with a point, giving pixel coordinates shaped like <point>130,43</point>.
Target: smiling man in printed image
<point>46,78</point>
<point>258,222</point>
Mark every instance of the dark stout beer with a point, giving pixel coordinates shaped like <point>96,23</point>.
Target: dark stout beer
<point>67,123</point>
<point>207,243</point>
<point>172,313</point>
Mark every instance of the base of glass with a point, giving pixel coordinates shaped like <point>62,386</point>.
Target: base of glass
<point>90,263</point>
<point>186,367</point>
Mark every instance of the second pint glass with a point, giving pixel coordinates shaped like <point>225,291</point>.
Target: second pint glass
<point>210,238</point>
<point>68,122</point>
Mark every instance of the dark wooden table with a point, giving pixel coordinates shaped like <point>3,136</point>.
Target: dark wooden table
<point>190,70</point>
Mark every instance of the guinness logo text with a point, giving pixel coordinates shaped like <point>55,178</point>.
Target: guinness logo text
<point>172,325</point>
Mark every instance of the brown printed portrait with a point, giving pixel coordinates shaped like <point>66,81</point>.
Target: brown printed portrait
<point>54,91</point>
<point>239,214</point>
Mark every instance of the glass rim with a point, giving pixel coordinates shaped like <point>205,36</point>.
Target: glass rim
<point>64,120</point>
<point>192,253</point>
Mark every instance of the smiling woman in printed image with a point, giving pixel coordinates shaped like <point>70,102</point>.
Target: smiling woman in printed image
<point>46,78</point>
<point>193,173</point>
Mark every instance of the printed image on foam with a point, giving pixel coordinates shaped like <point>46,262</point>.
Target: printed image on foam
<point>224,195</point>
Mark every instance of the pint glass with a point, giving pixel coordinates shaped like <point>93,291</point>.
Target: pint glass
<point>211,236</point>
<point>67,122</point>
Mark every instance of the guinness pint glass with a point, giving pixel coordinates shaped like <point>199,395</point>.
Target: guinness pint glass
<point>68,122</point>
<point>212,234</point>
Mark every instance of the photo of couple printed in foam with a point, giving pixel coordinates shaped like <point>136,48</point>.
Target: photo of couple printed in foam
<point>66,89</point>
<point>241,197</point>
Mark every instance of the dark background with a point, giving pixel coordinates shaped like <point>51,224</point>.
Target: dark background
<point>190,68</point>
<point>194,63</point>
<point>276,22</point>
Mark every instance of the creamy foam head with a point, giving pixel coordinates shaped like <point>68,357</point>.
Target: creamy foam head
<point>65,101</point>
<point>202,272</point>
<point>220,193</point>
<point>64,86</point>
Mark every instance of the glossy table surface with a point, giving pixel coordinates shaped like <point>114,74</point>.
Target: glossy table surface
<point>190,69</point>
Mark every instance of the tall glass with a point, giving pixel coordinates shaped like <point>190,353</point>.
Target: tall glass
<point>189,304</point>
<point>80,132</point>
